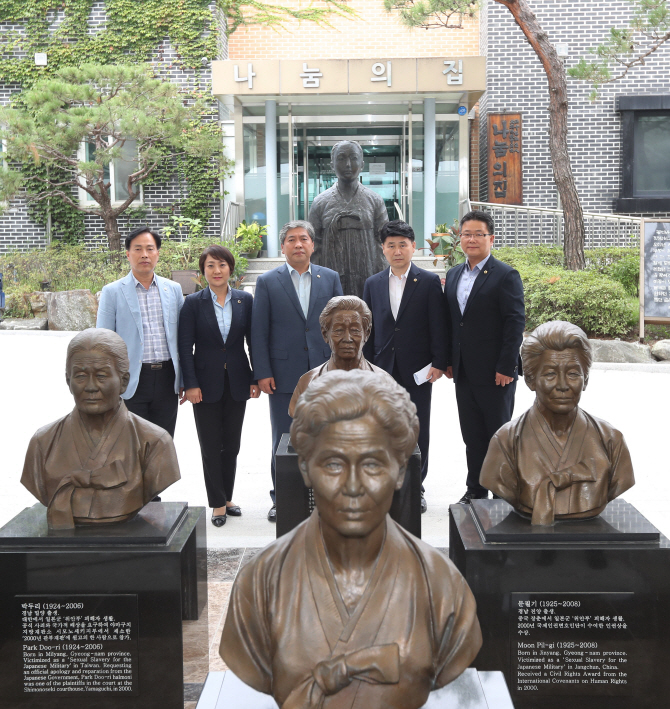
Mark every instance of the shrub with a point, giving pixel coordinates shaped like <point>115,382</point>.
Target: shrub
<point>72,266</point>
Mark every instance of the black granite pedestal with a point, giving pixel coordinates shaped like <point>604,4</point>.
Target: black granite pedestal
<point>575,615</point>
<point>92,618</point>
<point>295,502</point>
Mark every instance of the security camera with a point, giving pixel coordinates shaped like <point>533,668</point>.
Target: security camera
<point>204,61</point>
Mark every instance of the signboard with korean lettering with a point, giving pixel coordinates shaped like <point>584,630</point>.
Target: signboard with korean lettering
<point>655,271</point>
<point>505,178</point>
<point>275,77</point>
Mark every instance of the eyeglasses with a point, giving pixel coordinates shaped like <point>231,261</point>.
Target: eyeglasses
<point>476,235</point>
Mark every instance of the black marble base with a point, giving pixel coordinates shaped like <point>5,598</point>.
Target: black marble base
<point>573,623</point>
<point>471,690</point>
<point>96,593</point>
<point>497,521</point>
<point>155,523</point>
<point>295,502</point>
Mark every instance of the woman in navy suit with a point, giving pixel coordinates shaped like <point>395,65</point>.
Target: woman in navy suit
<point>217,376</point>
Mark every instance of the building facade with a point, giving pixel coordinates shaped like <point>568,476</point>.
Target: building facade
<point>410,98</point>
<point>619,145</point>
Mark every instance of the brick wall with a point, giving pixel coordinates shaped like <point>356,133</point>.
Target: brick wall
<point>18,231</point>
<point>373,33</point>
<point>517,83</point>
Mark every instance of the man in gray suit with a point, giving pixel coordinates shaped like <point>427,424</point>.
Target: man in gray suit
<point>143,309</point>
<point>286,338</point>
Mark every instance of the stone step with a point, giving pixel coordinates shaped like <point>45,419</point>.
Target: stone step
<point>258,266</point>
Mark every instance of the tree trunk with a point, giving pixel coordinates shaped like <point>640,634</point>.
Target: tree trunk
<point>112,229</point>
<point>573,243</point>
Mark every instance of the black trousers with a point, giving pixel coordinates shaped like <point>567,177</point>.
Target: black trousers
<point>219,426</point>
<point>421,396</point>
<point>154,399</point>
<point>482,410</point>
<point>281,423</point>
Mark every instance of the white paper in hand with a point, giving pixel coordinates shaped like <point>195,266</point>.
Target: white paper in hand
<point>420,376</point>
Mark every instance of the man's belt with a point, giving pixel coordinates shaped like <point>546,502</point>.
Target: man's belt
<point>156,365</point>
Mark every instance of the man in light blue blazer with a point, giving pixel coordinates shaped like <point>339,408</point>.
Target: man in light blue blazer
<point>286,337</point>
<point>143,309</point>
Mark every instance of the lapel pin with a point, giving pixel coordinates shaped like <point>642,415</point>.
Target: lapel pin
<point>239,301</point>
<point>485,272</point>
<point>318,276</point>
<point>164,288</point>
<point>415,280</point>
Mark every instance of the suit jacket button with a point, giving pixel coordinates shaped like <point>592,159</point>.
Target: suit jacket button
<point>392,349</point>
<point>223,349</point>
<point>397,329</point>
<point>461,324</point>
<point>306,348</point>
<point>306,329</point>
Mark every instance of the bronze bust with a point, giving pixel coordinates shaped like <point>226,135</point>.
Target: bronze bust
<point>346,324</point>
<point>347,219</point>
<point>349,608</point>
<point>556,461</point>
<point>100,463</point>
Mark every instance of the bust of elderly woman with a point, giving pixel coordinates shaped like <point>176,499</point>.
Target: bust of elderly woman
<point>557,462</point>
<point>346,324</point>
<point>100,463</point>
<point>349,609</point>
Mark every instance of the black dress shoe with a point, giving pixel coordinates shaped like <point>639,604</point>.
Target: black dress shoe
<point>470,495</point>
<point>219,520</point>
<point>424,504</point>
<point>272,514</point>
<point>234,511</point>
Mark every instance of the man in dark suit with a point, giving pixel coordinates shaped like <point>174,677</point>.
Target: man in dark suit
<point>286,337</point>
<point>485,323</point>
<point>408,325</point>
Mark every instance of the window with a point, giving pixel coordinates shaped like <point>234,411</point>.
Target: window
<point>645,147</point>
<point>116,172</point>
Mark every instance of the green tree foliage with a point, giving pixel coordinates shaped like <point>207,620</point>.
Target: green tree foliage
<point>432,13</point>
<point>253,12</point>
<point>626,47</point>
<point>103,106</point>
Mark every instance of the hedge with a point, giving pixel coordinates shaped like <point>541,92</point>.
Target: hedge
<point>598,299</point>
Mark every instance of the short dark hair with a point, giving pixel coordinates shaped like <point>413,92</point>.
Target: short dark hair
<point>143,230</point>
<point>221,253</point>
<point>396,228</point>
<point>477,215</point>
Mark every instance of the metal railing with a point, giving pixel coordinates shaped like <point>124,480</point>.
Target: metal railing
<point>532,226</point>
<point>231,220</point>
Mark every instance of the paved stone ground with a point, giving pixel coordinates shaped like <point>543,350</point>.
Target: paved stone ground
<point>634,398</point>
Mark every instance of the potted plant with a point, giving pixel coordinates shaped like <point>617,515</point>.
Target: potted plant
<point>186,277</point>
<point>250,238</point>
<point>447,245</point>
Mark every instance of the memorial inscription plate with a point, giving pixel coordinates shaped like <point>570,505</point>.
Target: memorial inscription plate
<point>657,269</point>
<point>77,643</point>
<point>572,644</point>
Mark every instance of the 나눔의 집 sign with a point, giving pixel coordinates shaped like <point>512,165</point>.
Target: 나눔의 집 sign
<point>505,177</point>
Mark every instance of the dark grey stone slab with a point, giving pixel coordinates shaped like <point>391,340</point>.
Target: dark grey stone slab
<point>155,523</point>
<point>472,690</point>
<point>497,522</point>
<point>580,624</point>
<point>168,583</point>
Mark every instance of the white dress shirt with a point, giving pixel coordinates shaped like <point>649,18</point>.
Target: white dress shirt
<point>303,286</point>
<point>396,289</point>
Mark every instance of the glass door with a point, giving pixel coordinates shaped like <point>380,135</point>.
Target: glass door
<point>383,154</point>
